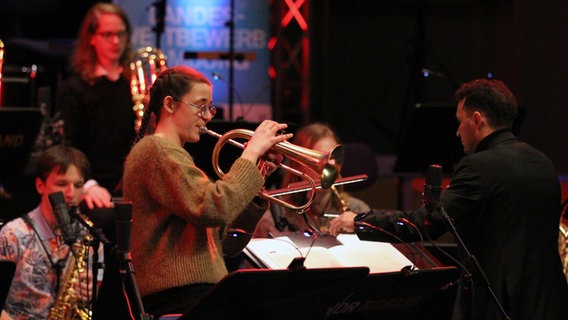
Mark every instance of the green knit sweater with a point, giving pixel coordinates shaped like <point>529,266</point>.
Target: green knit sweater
<point>180,217</point>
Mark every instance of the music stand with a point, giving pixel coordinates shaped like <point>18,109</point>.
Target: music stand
<point>7,270</point>
<point>276,294</point>
<point>404,295</point>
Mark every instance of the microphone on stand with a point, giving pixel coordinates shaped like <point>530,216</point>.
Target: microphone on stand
<point>217,76</point>
<point>431,197</point>
<point>123,225</point>
<point>298,262</point>
<point>61,212</point>
<point>432,187</point>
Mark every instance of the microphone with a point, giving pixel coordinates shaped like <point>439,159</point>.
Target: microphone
<point>217,76</point>
<point>428,72</point>
<point>61,212</point>
<point>298,263</point>
<point>432,187</point>
<point>97,234</point>
<point>123,225</point>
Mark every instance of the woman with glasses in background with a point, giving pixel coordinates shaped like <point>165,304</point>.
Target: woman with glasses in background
<point>95,101</point>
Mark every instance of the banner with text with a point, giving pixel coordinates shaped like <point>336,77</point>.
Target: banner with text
<point>198,34</point>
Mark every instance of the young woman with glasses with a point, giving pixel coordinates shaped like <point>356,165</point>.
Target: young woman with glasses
<point>95,101</point>
<point>180,217</point>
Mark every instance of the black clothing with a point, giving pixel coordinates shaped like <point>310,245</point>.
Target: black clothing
<point>504,200</point>
<point>99,121</point>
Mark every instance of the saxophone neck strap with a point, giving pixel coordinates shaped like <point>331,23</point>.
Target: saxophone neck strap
<point>59,264</point>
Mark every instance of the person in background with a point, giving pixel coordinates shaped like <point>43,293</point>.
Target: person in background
<point>95,100</point>
<point>36,243</point>
<point>504,200</point>
<point>327,203</point>
<point>181,218</point>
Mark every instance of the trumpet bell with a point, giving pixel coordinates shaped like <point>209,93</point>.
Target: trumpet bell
<point>326,165</point>
<point>332,167</point>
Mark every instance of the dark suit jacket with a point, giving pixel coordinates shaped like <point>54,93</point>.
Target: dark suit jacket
<point>504,200</point>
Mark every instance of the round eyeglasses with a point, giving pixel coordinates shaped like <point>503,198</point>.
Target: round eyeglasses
<point>108,35</point>
<point>203,108</point>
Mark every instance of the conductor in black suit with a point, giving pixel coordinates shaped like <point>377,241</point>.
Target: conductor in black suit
<point>504,199</point>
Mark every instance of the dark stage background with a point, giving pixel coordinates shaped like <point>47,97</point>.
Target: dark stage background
<point>367,57</point>
<point>366,63</point>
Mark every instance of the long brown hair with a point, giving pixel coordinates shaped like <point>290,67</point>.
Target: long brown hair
<point>84,58</point>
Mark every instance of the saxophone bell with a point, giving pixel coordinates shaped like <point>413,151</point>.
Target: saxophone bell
<point>147,64</point>
<point>68,304</point>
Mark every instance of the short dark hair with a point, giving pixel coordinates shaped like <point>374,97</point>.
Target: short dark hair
<point>62,157</point>
<point>492,98</point>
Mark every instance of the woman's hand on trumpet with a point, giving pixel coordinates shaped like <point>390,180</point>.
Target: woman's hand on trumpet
<point>264,137</point>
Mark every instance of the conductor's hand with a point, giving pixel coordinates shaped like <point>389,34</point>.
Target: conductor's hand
<point>263,138</point>
<point>345,223</point>
<point>97,197</point>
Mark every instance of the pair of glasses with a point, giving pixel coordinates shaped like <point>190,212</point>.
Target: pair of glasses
<point>203,108</point>
<point>108,35</point>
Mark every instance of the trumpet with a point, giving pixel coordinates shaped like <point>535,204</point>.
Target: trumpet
<point>327,165</point>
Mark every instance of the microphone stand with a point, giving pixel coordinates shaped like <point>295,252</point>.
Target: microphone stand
<point>231,25</point>
<point>472,260</point>
<point>97,234</point>
<point>123,211</point>
<point>160,6</point>
<point>98,237</point>
<point>126,270</point>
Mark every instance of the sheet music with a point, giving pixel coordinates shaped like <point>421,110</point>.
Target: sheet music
<point>379,257</point>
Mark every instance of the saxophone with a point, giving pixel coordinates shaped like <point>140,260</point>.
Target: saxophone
<point>144,69</point>
<point>67,305</point>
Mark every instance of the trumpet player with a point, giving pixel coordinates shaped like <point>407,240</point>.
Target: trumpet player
<point>180,217</point>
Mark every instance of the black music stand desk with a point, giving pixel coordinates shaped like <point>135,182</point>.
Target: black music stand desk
<point>405,295</point>
<point>261,294</point>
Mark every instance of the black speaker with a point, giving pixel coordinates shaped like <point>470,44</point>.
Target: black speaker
<point>18,86</point>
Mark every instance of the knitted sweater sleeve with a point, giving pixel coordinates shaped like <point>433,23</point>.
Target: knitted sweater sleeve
<point>184,190</point>
<point>245,222</point>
